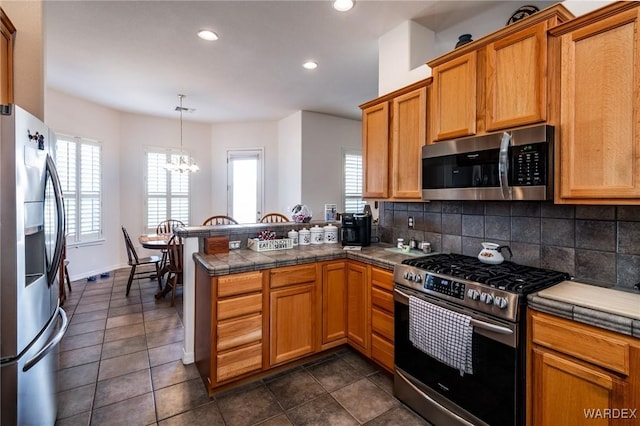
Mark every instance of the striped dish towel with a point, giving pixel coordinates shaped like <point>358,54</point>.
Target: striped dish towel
<point>443,334</point>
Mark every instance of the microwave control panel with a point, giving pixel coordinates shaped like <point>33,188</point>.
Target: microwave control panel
<point>529,164</point>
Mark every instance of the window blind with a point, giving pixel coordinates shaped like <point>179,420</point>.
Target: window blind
<point>79,165</point>
<point>167,192</point>
<point>353,202</point>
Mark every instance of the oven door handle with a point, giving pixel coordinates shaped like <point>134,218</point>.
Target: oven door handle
<point>476,323</point>
<point>431,400</point>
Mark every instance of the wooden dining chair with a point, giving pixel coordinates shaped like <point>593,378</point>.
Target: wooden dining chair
<point>166,226</point>
<point>135,261</point>
<point>274,218</point>
<point>174,278</point>
<point>220,220</point>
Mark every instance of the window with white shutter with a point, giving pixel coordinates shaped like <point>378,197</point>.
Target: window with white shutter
<point>79,164</point>
<point>353,202</point>
<point>167,193</point>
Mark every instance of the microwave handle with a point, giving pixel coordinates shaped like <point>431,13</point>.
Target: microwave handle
<point>503,166</point>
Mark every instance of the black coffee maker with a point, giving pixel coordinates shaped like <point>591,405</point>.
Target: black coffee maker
<point>356,229</point>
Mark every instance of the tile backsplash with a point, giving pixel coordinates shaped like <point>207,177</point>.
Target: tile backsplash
<point>596,244</point>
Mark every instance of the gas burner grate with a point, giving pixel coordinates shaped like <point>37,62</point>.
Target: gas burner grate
<point>506,276</point>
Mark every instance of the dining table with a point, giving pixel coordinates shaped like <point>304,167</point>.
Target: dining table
<point>154,241</point>
<point>158,242</point>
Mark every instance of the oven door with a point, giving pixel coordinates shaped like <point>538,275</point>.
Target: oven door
<point>492,395</point>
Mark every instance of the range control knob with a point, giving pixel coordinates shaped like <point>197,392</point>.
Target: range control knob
<point>408,276</point>
<point>473,294</point>
<point>500,302</point>
<point>486,298</point>
<point>417,278</point>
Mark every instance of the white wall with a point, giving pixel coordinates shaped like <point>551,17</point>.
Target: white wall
<point>290,160</point>
<point>400,47</point>
<point>75,117</point>
<point>139,132</point>
<point>303,163</point>
<point>226,136</point>
<point>124,138</point>
<point>323,139</point>
<point>402,53</point>
<point>580,7</point>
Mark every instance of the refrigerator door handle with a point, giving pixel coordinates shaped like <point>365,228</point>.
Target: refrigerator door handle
<point>60,236</point>
<point>52,343</point>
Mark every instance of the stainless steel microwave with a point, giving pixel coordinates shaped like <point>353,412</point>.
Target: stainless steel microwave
<point>512,165</point>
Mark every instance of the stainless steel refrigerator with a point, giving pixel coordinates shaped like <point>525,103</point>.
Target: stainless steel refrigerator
<point>32,233</point>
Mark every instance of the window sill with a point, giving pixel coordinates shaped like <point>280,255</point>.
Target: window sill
<point>85,243</point>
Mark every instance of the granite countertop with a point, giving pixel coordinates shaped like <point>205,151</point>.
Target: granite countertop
<point>607,308</point>
<point>243,260</point>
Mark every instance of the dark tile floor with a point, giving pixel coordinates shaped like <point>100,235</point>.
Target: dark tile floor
<point>120,363</point>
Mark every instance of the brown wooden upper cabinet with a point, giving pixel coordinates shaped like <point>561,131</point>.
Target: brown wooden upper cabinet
<point>497,82</point>
<point>394,129</point>
<point>598,157</point>
<point>7,30</point>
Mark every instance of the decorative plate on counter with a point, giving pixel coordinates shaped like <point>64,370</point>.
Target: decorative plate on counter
<point>522,13</point>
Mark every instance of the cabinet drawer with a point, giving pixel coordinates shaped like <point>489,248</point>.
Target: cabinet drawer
<point>382,299</point>
<point>231,285</point>
<point>239,332</point>
<point>238,306</point>
<point>293,275</point>
<point>581,341</point>
<point>382,278</point>
<point>382,323</point>
<point>382,351</point>
<point>240,361</point>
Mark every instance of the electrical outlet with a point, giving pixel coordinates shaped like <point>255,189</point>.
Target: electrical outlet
<point>234,245</point>
<point>410,224</point>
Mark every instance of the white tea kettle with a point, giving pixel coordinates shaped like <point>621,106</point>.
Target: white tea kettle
<point>491,253</point>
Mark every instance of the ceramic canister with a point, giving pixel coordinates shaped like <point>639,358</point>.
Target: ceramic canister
<point>317,235</point>
<point>304,237</point>
<point>330,234</point>
<point>293,234</point>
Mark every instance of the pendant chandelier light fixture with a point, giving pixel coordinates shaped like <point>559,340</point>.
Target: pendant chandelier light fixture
<point>184,164</point>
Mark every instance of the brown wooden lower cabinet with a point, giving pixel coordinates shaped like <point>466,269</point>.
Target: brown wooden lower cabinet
<point>334,303</point>
<point>358,308</point>
<point>580,374</point>
<point>251,322</point>
<point>382,327</point>
<point>229,326</point>
<point>292,323</point>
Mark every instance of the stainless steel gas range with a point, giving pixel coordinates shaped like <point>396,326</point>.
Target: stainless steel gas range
<point>460,337</point>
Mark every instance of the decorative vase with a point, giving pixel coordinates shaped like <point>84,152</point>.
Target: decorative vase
<point>464,39</point>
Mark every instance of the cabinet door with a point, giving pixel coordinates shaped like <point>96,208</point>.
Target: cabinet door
<point>358,308</point>
<point>334,302</point>
<point>7,31</point>
<point>409,136</point>
<point>292,323</point>
<point>453,104</point>
<point>375,151</point>
<point>516,79</point>
<point>600,112</point>
<point>568,393</point>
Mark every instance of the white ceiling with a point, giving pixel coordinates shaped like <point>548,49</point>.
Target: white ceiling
<point>136,56</point>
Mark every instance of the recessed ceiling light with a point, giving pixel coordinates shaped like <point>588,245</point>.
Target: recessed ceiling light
<point>343,5</point>
<point>207,35</point>
<point>310,65</point>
